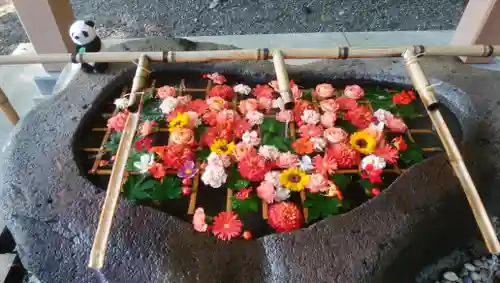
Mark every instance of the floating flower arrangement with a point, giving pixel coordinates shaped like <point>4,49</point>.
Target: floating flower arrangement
<point>289,165</point>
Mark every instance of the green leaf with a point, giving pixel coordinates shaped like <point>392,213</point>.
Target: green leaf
<point>320,207</point>
<point>245,205</point>
<point>341,180</point>
<point>279,142</point>
<point>200,130</point>
<point>365,183</point>
<point>151,110</point>
<point>234,177</point>
<point>387,105</point>
<point>346,125</point>
<point>202,154</point>
<point>169,189</point>
<point>138,187</point>
<point>412,155</point>
<point>149,95</point>
<point>113,142</point>
<point>307,95</point>
<point>271,125</point>
<point>406,111</point>
<point>241,184</point>
<point>134,157</point>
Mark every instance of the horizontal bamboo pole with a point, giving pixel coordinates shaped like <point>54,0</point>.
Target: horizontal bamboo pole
<point>426,93</point>
<point>99,246</point>
<point>257,54</point>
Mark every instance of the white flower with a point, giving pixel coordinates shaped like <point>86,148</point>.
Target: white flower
<point>242,89</point>
<point>251,138</point>
<point>377,162</point>
<point>145,163</point>
<point>214,176</point>
<point>121,103</point>
<point>319,143</point>
<point>215,159</point>
<point>273,177</point>
<point>282,194</point>
<point>306,163</point>
<point>278,103</point>
<point>194,118</point>
<point>381,115</point>
<point>310,117</point>
<point>269,152</point>
<point>255,117</point>
<point>168,105</point>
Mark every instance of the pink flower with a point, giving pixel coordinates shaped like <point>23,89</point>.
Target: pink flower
<point>328,119</point>
<point>199,106</point>
<point>184,100</point>
<point>329,105</point>
<point>335,135</point>
<point>216,78</point>
<point>266,191</point>
<point>310,117</point>
<point>224,91</point>
<point>165,91</point>
<point>240,126</point>
<point>325,165</point>
<point>226,116</point>
<point>147,128</point>
<point>193,120</point>
<point>227,225</point>
<point>346,103</point>
<point>218,160</point>
<point>389,153</point>
<point>263,91</point>
<point>216,103</point>
<point>242,149</point>
<point>296,92</point>
<point>310,131</point>
<point>354,91</point>
<point>324,91</point>
<point>255,117</point>
<point>288,160</point>
<point>265,103</point>
<point>253,167</point>
<point>273,177</point>
<point>251,138</point>
<point>284,116</point>
<point>346,156</point>
<point>248,105</point>
<point>361,116</point>
<point>199,220</point>
<point>317,183</point>
<point>269,152</point>
<point>395,124</point>
<point>117,122</point>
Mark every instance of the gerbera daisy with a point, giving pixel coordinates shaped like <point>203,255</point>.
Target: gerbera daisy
<point>294,179</point>
<point>303,146</point>
<point>226,225</point>
<point>325,165</point>
<point>221,146</point>
<point>310,131</point>
<point>179,121</point>
<point>363,142</point>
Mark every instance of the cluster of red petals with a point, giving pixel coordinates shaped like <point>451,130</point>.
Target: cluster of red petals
<point>303,146</point>
<point>360,117</point>
<point>284,216</point>
<point>387,152</point>
<point>346,103</point>
<point>373,175</point>
<point>175,156</point>
<point>198,105</point>
<point>143,143</point>
<point>263,91</point>
<point>345,156</point>
<point>300,107</point>
<point>215,133</point>
<point>404,97</point>
<point>253,167</point>
<point>224,91</point>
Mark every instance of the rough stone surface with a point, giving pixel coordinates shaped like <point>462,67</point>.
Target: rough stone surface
<point>52,210</point>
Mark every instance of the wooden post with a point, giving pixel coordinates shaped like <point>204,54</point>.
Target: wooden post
<point>7,108</point>
<point>479,24</point>
<point>46,23</point>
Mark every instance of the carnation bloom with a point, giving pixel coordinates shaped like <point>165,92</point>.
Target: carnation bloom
<point>310,117</point>
<point>242,89</point>
<point>317,183</point>
<point>242,149</point>
<point>396,124</point>
<point>269,152</point>
<point>284,116</point>
<point>217,103</point>
<point>221,146</point>
<point>354,91</point>
<point>179,121</point>
<point>325,165</point>
<point>265,103</point>
<point>213,133</point>
<point>266,191</point>
<point>224,91</point>
<point>253,167</point>
<point>361,116</point>
<point>199,223</point>
<point>370,162</point>
<point>240,126</point>
<point>328,119</point>
<point>284,217</point>
<point>165,91</point>
<point>263,91</point>
<point>303,146</point>
<point>248,105</point>
<point>324,91</point>
<point>363,142</point>
<point>329,105</point>
<point>251,138</point>
<point>198,105</point>
<point>310,131</point>
<point>168,105</point>
<point>226,225</point>
<point>346,103</point>
<point>294,179</point>
<point>345,156</point>
<point>404,97</point>
<point>214,176</point>
<point>218,159</point>
<point>175,156</point>
<point>288,160</point>
<point>255,117</point>
<point>157,170</point>
<point>215,77</point>
<point>335,135</point>
<point>273,177</point>
<point>117,122</point>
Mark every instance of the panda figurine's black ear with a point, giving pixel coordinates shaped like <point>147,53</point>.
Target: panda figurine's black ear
<point>90,23</point>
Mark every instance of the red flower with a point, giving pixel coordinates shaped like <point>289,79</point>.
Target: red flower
<point>387,152</point>
<point>253,167</point>
<point>284,216</point>
<point>303,146</point>
<point>117,122</point>
<point>263,91</point>
<point>360,116</point>
<point>373,176</point>
<point>346,156</point>
<point>144,143</point>
<point>404,97</point>
<point>346,103</point>
<point>310,131</point>
<point>375,191</point>
<point>224,91</point>
<point>226,225</point>
<point>240,126</point>
<point>399,143</point>
<point>243,193</point>
<point>215,133</point>
<point>210,118</point>
<point>300,106</point>
<point>157,170</point>
<point>199,106</point>
<point>175,156</point>
<point>325,165</point>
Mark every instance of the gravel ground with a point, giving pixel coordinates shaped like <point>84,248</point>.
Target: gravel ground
<point>128,18</point>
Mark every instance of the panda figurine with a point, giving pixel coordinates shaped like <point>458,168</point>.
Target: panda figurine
<point>85,37</point>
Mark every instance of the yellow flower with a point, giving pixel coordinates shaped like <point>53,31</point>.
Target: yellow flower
<point>222,147</point>
<point>294,179</point>
<point>363,142</point>
<point>179,121</point>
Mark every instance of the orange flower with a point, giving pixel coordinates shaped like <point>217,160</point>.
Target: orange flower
<point>157,170</point>
<point>404,97</point>
<point>303,146</point>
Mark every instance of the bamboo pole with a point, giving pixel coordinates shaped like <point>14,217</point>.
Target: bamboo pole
<point>7,108</point>
<point>113,192</point>
<point>256,54</point>
<point>430,101</point>
<point>282,78</point>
